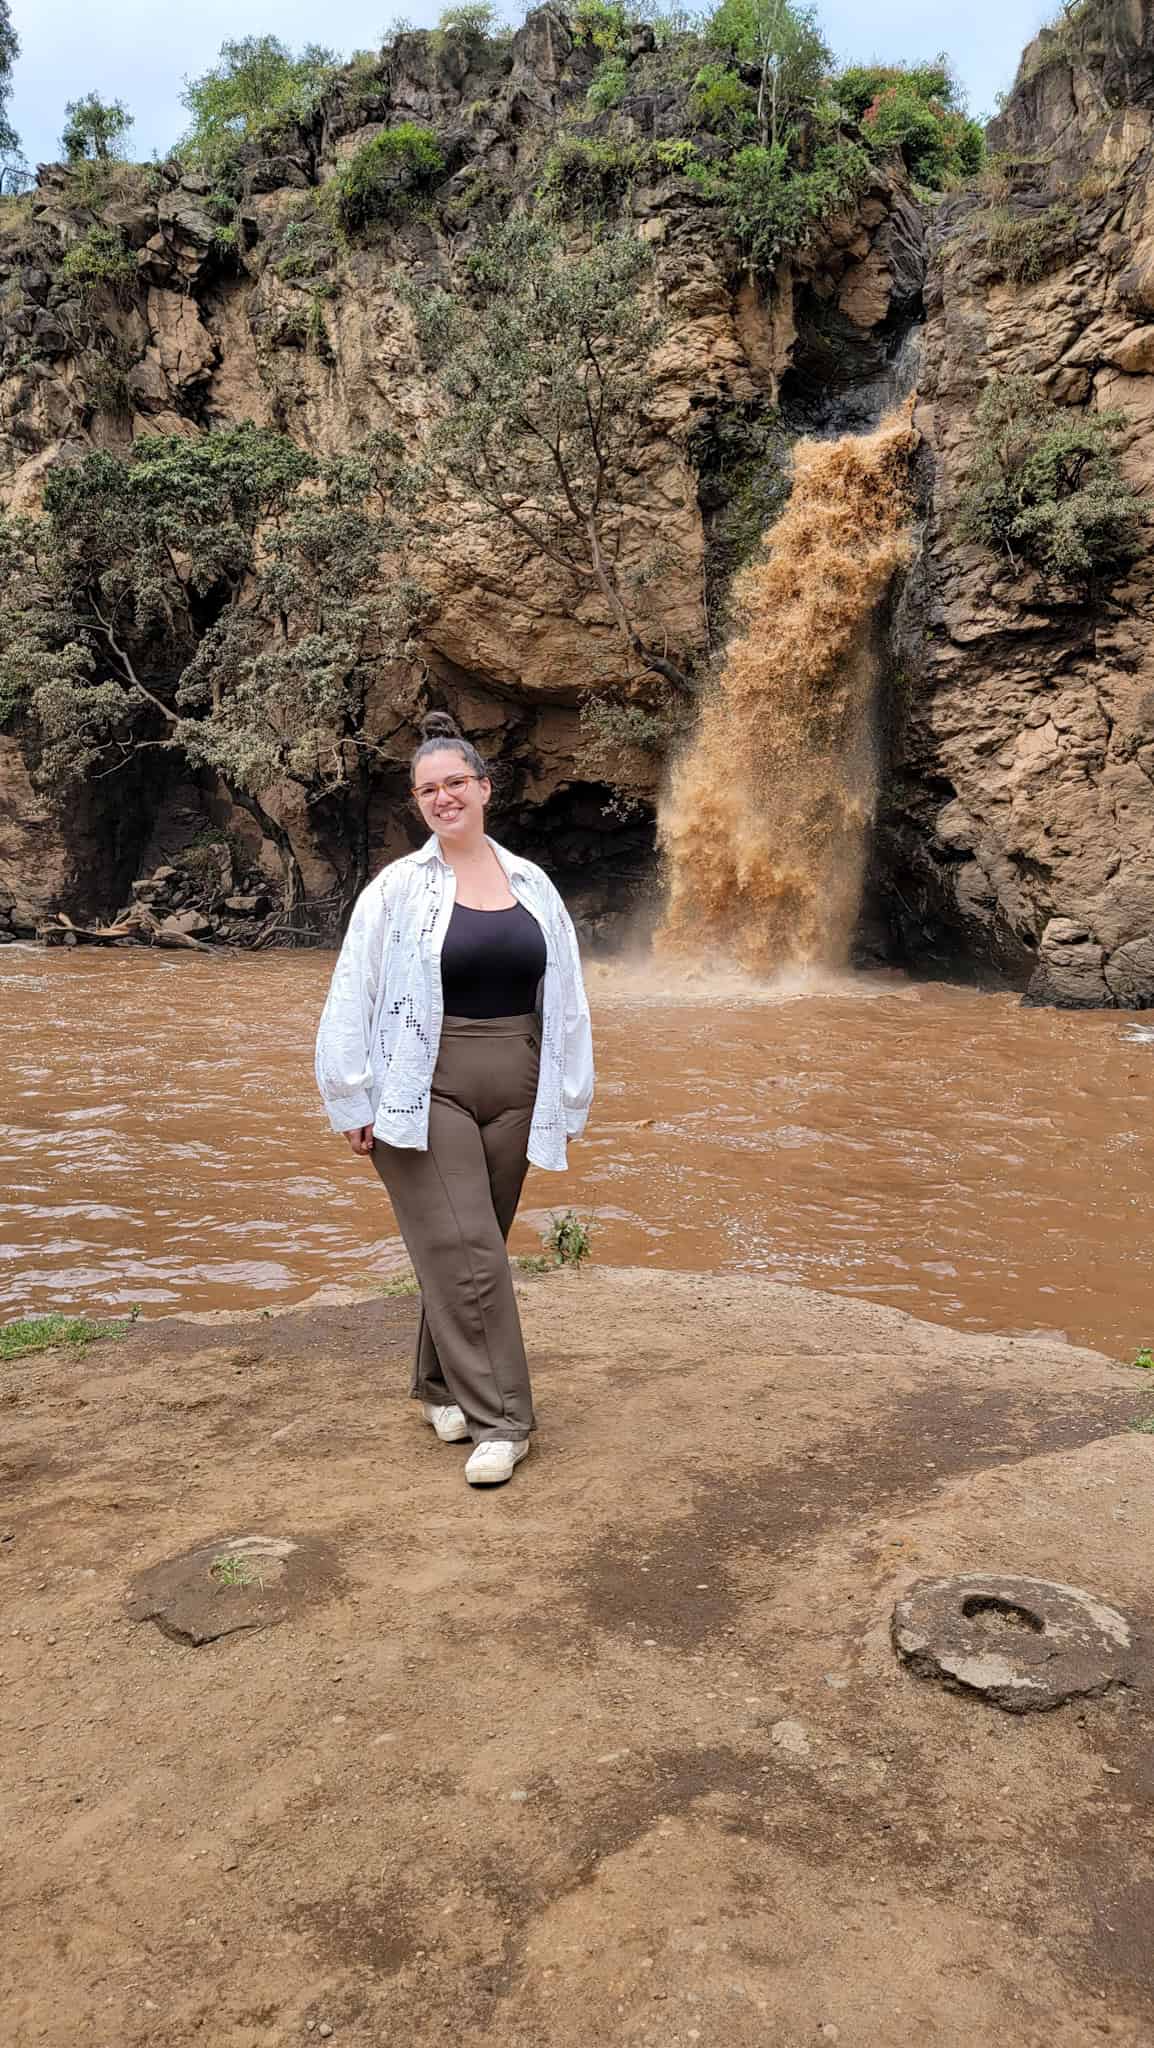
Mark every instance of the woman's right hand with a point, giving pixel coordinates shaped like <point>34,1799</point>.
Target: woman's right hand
<point>362,1140</point>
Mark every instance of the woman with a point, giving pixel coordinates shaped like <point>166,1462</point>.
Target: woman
<point>453,1049</point>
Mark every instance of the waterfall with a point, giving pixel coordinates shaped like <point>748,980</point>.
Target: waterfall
<point>765,825</point>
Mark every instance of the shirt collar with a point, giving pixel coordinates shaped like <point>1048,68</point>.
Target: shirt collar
<point>511,862</point>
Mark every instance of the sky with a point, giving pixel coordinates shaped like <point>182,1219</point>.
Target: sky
<point>136,51</point>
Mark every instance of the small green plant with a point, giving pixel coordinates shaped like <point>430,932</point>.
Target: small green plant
<point>610,84</point>
<point>535,1262</point>
<point>1144,1424</point>
<point>399,1283</point>
<point>568,1238</point>
<point>1044,486</point>
<point>1144,1358</point>
<point>384,177</point>
<point>720,102</point>
<point>42,1333</point>
<point>231,1568</point>
<point>675,155</point>
<point>99,259</point>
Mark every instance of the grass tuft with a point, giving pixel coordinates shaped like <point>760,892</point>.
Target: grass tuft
<point>232,1569</point>
<point>42,1333</point>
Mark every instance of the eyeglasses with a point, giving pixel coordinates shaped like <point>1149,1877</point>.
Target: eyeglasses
<point>453,785</point>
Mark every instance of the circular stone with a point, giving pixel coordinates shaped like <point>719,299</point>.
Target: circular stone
<point>1024,1644</point>
<point>236,1583</point>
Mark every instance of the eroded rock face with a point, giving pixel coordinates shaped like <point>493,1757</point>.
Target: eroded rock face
<point>1019,816</point>
<point>220,331</point>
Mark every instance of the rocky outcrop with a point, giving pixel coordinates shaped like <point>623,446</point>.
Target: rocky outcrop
<point>260,316</point>
<point>1017,831</point>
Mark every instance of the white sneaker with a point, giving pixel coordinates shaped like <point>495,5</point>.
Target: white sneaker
<point>449,1423</point>
<point>492,1462</point>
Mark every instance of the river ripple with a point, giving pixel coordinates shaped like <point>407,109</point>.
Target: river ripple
<point>939,1149</point>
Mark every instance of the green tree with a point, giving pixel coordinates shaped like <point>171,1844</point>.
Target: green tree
<point>541,362</point>
<point>95,129</point>
<point>255,81</point>
<point>783,40</point>
<point>13,169</point>
<point>218,597</point>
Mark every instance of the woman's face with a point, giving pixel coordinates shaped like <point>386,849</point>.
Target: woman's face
<point>450,798</point>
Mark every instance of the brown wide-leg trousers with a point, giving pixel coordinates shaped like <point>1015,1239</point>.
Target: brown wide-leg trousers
<point>455,1205</point>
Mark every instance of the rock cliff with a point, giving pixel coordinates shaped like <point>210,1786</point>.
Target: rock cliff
<point>262,319</point>
<point>1017,831</point>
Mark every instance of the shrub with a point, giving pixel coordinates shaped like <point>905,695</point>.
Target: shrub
<point>859,85</point>
<point>720,102</point>
<point>99,258</point>
<point>591,176</point>
<point>917,108</point>
<point>609,86</point>
<point>773,207</point>
<point>1024,250</point>
<point>612,725</point>
<point>601,23</point>
<point>309,249</point>
<point>475,18</point>
<point>384,176</point>
<point>1044,487</point>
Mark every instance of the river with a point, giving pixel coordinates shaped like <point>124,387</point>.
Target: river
<point>936,1148</point>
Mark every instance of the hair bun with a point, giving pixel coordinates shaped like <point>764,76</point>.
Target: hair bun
<point>439,725</point>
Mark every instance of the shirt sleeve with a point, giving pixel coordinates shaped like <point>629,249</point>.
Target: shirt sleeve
<point>343,1065</point>
<point>577,1079</point>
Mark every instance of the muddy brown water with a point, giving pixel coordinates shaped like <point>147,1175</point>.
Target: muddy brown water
<point>938,1149</point>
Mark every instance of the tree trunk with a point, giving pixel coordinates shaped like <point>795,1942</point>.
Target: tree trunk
<point>294,882</point>
<point>608,587</point>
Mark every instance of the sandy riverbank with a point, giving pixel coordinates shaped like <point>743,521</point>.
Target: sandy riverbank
<point>617,1754</point>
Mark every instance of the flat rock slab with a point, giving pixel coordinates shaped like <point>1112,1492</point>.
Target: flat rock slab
<point>1023,1644</point>
<point>236,1583</point>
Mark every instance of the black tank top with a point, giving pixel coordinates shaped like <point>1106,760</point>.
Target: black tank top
<point>492,962</point>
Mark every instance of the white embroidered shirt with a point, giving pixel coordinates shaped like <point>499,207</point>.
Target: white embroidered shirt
<point>380,1029</point>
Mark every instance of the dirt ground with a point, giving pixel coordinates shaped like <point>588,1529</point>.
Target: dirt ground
<point>619,1753</point>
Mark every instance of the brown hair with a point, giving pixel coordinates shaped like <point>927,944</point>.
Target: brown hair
<point>438,732</point>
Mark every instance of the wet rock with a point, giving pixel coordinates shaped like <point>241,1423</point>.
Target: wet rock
<point>192,923</point>
<point>1026,1645</point>
<point>1129,974</point>
<point>1070,968</point>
